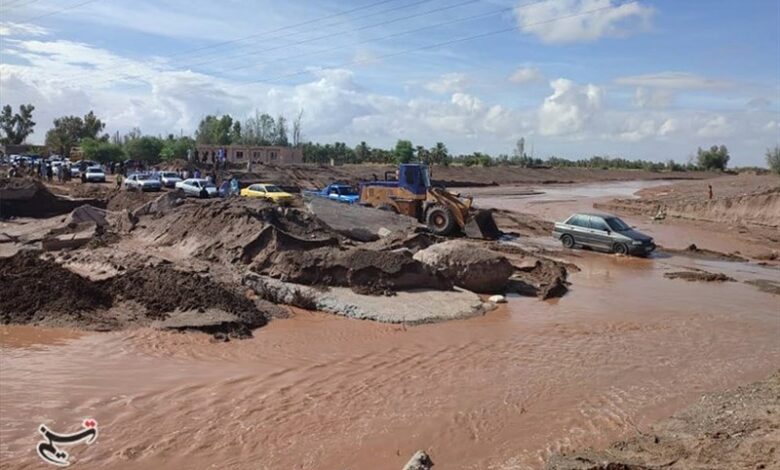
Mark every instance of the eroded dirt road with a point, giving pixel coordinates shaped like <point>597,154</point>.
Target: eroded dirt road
<point>624,348</point>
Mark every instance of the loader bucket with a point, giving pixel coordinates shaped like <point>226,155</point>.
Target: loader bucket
<point>482,225</point>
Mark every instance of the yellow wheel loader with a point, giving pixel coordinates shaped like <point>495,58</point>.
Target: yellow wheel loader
<point>410,193</point>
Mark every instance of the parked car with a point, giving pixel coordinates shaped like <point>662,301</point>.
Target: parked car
<point>602,232</point>
<point>197,187</point>
<point>142,182</point>
<point>75,172</point>
<point>270,192</point>
<point>169,179</point>
<point>336,192</point>
<point>95,174</point>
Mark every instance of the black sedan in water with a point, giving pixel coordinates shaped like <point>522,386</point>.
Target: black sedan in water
<point>602,232</point>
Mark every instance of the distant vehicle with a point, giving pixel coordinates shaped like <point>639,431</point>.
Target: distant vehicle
<point>95,174</point>
<point>602,232</point>
<point>336,192</point>
<point>270,192</point>
<point>169,178</point>
<point>198,187</point>
<point>142,182</point>
<point>75,172</point>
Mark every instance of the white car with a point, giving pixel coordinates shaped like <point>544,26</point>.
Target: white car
<point>169,179</point>
<point>142,182</point>
<point>94,174</point>
<point>198,187</point>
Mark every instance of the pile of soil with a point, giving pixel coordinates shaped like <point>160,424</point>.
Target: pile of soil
<point>365,271</point>
<point>45,292</point>
<point>121,199</point>
<point>698,275</point>
<point>230,230</point>
<point>739,428</point>
<point>522,224</point>
<point>27,197</point>
<point>34,288</point>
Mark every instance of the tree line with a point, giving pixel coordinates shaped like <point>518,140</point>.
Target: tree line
<point>262,129</point>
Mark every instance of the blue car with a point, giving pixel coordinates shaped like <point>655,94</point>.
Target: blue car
<point>336,192</point>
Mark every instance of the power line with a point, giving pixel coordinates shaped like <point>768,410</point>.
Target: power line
<point>54,12</point>
<point>419,2</point>
<point>438,44</point>
<point>328,36</point>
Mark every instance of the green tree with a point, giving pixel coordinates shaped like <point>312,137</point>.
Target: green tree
<point>362,152</point>
<point>16,127</point>
<point>103,152</point>
<point>439,155</point>
<point>68,131</point>
<point>174,148</point>
<point>280,133</point>
<point>214,130</point>
<point>404,151</point>
<point>773,158</point>
<point>716,158</point>
<point>146,148</point>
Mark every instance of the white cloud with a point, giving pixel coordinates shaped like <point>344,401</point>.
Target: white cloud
<point>582,20</point>
<point>772,126</point>
<point>8,28</point>
<point>569,108</point>
<point>649,98</point>
<point>672,80</point>
<point>717,126</point>
<point>669,126</point>
<point>526,75</point>
<point>448,83</point>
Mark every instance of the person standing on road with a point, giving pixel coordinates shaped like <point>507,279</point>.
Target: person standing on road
<point>234,190</point>
<point>709,186</point>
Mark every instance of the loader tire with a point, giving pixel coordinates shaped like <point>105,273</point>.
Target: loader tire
<point>440,220</point>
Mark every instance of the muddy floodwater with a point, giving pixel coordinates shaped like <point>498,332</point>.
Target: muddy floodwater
<point>624,348</point>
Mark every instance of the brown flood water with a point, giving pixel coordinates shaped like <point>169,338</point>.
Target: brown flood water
<point>623,349</point>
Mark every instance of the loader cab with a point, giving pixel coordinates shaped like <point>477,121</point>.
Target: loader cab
<point>414,178</point>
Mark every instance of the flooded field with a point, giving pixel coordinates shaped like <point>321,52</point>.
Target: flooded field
<point>624,348</point>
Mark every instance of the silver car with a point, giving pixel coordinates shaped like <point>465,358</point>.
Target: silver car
<point>602,232</point>
<point>95,174</point>
<point>141,182</point>
<point>169,179</point>
<point>198,187</point>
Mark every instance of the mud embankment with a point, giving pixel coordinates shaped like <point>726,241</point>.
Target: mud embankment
<point>737,200</point>
<point>739,428</point>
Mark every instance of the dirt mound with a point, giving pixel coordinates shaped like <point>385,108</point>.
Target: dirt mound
<point>469,265</point>
<point>546,279</point>
<point>365,271</point>
<point>162,289</point>
<point>120,199</point>
<point>723,431</point>
<point>26,197</point>
<point>230,230</point>
<point>34,287</point>
<point>45,292</point>
<point>703,276</point>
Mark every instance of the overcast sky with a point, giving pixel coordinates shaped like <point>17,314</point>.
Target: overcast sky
<point>644,79</point>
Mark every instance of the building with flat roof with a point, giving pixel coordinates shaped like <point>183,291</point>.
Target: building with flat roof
<point>246,153</point>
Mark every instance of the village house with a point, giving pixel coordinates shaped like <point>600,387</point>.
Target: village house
<point>255,154</point>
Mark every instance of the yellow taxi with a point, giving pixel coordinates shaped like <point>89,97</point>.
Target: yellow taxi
<point>270,192</point>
